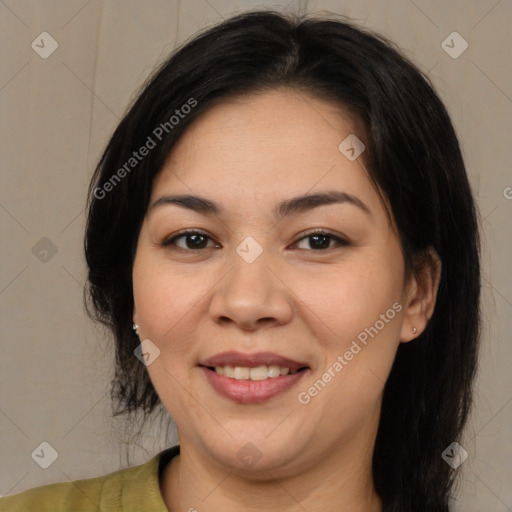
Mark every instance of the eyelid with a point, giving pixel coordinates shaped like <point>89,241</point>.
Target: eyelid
<point>320,231</point>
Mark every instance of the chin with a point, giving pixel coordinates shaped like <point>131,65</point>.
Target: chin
<point>256,456</point>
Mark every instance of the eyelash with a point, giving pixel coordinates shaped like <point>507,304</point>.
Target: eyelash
<point>340,241</point>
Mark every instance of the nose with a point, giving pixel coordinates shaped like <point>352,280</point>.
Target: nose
<point>251,296</point>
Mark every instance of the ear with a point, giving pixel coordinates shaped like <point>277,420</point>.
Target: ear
<point>421,294</point>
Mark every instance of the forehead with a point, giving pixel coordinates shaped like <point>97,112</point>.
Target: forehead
<point>266,146</point>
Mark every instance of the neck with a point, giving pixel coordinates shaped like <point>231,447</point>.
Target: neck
<point>339,481</point>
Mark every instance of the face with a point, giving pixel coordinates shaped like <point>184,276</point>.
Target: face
<point>313,286</point>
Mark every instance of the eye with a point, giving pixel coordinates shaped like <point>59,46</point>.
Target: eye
<point>320,240</point>
<point>193,240</point>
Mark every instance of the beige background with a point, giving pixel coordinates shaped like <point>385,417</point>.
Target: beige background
<point>57,114</point>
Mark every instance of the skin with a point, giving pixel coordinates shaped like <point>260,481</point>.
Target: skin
<point>305,303</point>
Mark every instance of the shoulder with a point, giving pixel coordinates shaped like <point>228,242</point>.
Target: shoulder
<point>131,489</point>
<point>79,495</point>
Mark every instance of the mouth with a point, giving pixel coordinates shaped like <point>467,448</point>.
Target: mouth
<point>252,378</point>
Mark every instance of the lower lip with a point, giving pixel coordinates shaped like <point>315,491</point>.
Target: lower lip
<point>251,391</point>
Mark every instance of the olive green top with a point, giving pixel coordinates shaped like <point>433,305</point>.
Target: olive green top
<point>134,489</point>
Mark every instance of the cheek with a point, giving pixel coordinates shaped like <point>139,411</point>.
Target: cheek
<point>166,304</point>
<point>166,301</point>
<point>360,324</point>
<point>349,299</point>
<point>358,312</point>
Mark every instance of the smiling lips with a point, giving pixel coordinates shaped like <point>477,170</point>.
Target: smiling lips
<point>251,378</point>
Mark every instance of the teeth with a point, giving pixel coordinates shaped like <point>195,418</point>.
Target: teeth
<point>275,371</point>
<point>258,373</point>
<point>241,373</point>
<point>229,372</point>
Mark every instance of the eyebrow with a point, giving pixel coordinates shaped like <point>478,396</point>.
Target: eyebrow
<point>285,208</point>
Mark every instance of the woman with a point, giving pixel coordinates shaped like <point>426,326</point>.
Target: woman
<point>282,231</point>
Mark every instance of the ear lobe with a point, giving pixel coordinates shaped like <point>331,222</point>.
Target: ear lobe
<point>421,294</point>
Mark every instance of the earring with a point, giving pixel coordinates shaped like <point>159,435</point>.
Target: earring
<point>135,328</point>
<point>414,330</point>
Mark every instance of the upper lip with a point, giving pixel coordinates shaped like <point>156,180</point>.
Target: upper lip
<point>233,358</point>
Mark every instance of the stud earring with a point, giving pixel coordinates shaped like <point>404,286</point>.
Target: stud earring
<point>414,330</point>
<point>135,328</point>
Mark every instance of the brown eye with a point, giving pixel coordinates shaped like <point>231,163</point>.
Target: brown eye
<point>320,240</point>
<point>193,240</point>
